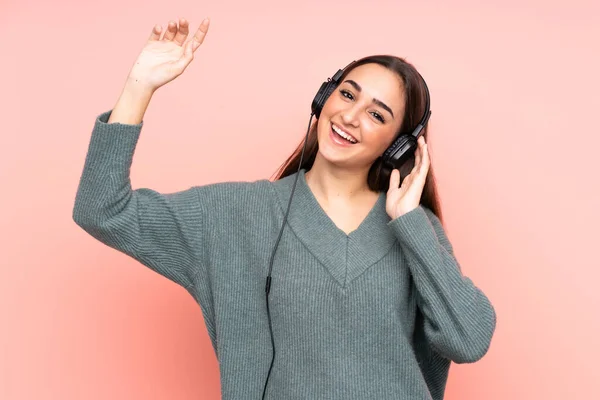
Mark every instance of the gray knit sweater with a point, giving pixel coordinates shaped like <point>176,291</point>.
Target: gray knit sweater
<point>379,313</point>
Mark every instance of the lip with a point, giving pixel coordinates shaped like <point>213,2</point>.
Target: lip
<point>337,139</point>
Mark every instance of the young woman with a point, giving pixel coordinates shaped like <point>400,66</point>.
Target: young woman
<point>367,300</point>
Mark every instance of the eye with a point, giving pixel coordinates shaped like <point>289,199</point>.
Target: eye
<point>378,116</point>
<point>346,94</point>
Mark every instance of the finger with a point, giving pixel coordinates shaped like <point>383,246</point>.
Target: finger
<point>425,159</point>
<point>187,57</point>
<point>189,51</point>
<point>424,151</point>
<point>414,170</point>
<point>155,34</point>
<point>417,158</point>
<point>183,31</point>
<point>407,182</point>
<point>394,180</point>
<point>201,33</point>
<point>171,31</point>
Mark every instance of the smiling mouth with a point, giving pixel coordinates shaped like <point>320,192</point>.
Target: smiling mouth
<point>344,135</point>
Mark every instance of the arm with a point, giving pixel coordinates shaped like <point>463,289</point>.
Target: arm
<point>159,230</point>
<point>459,319</point>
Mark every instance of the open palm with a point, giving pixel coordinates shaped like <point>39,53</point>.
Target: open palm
<point>163,59</point>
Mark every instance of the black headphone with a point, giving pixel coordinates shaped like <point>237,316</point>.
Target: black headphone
<point>392,158</point>
<point>403,147</point>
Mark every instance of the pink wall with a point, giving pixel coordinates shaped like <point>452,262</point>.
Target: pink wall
<point>515,102</point>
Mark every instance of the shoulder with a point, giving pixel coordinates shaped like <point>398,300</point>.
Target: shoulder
<point>258,197</point>
<point>237,207</point>
<point>233,192</point>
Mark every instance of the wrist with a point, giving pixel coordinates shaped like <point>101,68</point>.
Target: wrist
<point>403,211</point>
<point>135,87</point>
<point>132,103</point>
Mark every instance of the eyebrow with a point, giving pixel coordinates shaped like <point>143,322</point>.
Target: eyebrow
<point>376,101</point>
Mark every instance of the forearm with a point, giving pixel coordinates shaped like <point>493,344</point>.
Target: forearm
<point>131,104</point>
<point>104,194</point>
<point>460,319</point>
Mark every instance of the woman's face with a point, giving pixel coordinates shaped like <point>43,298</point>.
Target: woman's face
<point>367,108</point>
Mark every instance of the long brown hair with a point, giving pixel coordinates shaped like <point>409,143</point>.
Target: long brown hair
<point>378,177</point>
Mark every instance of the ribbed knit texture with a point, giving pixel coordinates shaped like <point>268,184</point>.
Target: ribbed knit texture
<point>376,314</point>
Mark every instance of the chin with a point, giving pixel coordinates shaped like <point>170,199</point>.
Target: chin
<point>331,156</point>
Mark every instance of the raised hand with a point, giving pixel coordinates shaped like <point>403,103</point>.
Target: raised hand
<point>404,198</point>
<point>164,59</point>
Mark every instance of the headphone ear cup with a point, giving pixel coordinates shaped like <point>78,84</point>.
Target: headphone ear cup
<point>399,151</point>
<point>321,97</point>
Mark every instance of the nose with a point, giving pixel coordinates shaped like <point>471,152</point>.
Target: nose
<point>350,115</point>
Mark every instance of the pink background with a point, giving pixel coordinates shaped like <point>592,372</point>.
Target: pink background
<point>514,143</point>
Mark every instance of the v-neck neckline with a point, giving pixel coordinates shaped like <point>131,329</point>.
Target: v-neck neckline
<point>345,256</point>
<point>317,206</point>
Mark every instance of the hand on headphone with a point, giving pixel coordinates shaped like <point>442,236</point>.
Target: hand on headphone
<point>406,197</point>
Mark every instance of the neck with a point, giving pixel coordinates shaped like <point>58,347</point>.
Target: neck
<point>330,182</point>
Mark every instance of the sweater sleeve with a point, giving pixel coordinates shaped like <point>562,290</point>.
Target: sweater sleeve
<point>158,230</point>
<point>459,319</point>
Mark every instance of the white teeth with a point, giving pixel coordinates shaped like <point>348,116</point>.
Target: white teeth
<point>343,134</point>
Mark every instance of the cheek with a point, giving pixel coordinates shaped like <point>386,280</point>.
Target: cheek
<point>378,138</point>
<point>323,126</point>
<point>333,105</point>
